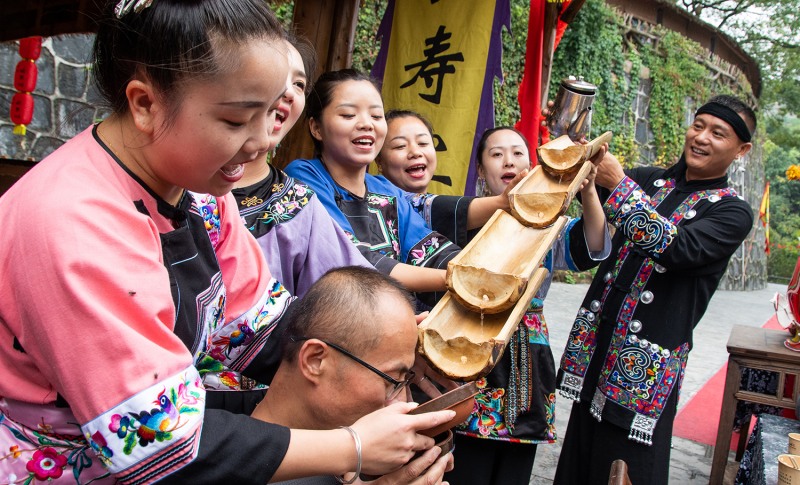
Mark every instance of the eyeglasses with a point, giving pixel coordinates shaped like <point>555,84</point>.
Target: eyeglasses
<point>398,386</point>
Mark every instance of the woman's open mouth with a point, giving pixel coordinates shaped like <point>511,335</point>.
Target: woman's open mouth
<point>232,172</point>
<point>508,177</point>
<point>417,171</point>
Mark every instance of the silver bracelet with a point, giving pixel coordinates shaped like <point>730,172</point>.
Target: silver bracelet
<point>357,439</point>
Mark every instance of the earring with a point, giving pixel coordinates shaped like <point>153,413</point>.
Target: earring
<point>481,190</point>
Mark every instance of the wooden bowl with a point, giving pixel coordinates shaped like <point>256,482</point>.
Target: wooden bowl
<point>561,157</point>
<point>540,198</point>
<point>464,345</point>
<point>461,400</point>
<point>490,274</point>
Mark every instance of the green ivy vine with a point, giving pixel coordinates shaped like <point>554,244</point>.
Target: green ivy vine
<point>678,79</point>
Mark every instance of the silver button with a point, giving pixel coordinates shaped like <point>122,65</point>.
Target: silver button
<point>654,348</point>
<point>590,317</point>
<point>659,182</point>
<point>690,214</point>
<point>713,198</point>
<point>607,277</point>
<point>634,339</point>
<point>626,207</point>
<point>659,268</point>
<point>635,326</point>
<point>647,297</point>
<point>595,305</point>
<point>665,353</point>
<point>644,343</point>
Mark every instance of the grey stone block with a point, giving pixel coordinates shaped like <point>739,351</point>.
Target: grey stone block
<point>75,48</point>
<point>15,146</point>
<point>72,117</point>
<point>46,81</point>
<point>42,114</point>
<point>72,80</point>
<point>9,56</point>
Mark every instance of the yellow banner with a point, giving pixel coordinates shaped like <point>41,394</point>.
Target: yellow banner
<point>436,66</point>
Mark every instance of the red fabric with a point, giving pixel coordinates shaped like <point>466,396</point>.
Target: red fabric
<point>531,86</point>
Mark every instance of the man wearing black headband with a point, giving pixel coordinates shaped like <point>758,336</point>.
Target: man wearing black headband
<point>627,351</point>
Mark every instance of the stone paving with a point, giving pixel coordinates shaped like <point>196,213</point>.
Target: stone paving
<point>690,461</point>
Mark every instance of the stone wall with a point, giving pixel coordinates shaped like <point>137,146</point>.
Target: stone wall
<point>65,102</point>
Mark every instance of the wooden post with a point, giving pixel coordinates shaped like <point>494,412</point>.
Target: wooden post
<point>551,17</point>
<point>551,11</point>
<point>330,25</point>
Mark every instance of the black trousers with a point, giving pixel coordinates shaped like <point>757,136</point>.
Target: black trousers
<point>590,447</point>
<point>491,462</point>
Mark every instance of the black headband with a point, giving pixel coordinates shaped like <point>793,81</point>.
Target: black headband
<point>728,116</point>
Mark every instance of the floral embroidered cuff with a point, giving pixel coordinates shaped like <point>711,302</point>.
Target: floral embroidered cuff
<point>154,432</point>
<point>238,342</point>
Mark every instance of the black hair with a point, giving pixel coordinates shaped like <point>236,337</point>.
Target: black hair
<point>738,106</point>
<point>309,56</point>
<point>341,307</point>
<point>393,114</point>
<point>485,137</point>
<point>322,94</point>
<point>173,40</point>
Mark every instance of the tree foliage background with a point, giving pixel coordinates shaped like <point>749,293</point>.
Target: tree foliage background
<point>769,30</point>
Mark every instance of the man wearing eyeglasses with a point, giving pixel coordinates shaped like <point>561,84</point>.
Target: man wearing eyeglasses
<point>347,351</point>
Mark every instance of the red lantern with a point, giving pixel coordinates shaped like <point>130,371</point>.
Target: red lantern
<point>30,47</point>
<point>25,81</point>
<point>25,76</point>
<point>22,109</point>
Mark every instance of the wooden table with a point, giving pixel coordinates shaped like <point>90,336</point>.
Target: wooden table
<point>756,348</point>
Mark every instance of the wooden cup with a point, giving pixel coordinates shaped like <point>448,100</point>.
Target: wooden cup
<point>794,443</point>
<point>788,469</point>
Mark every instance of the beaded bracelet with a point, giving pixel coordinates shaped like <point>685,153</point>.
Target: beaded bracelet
<point>357,439</point>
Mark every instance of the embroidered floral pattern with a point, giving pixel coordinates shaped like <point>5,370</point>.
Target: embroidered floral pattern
<point>145,427</point>
<point>423,205</point>
<point>486,419</point>
<point>287,200</point>
<point>206,206</point>
<point>487,413</point>
<point>160,423</point>
<point>643,375</point>
<point>581,343</point>
<point>45,456</point>
<point>235,343</point>
<point>46,464</point>
<point>632,211</point>
<point>426,249</point>
<point>537,327</point>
